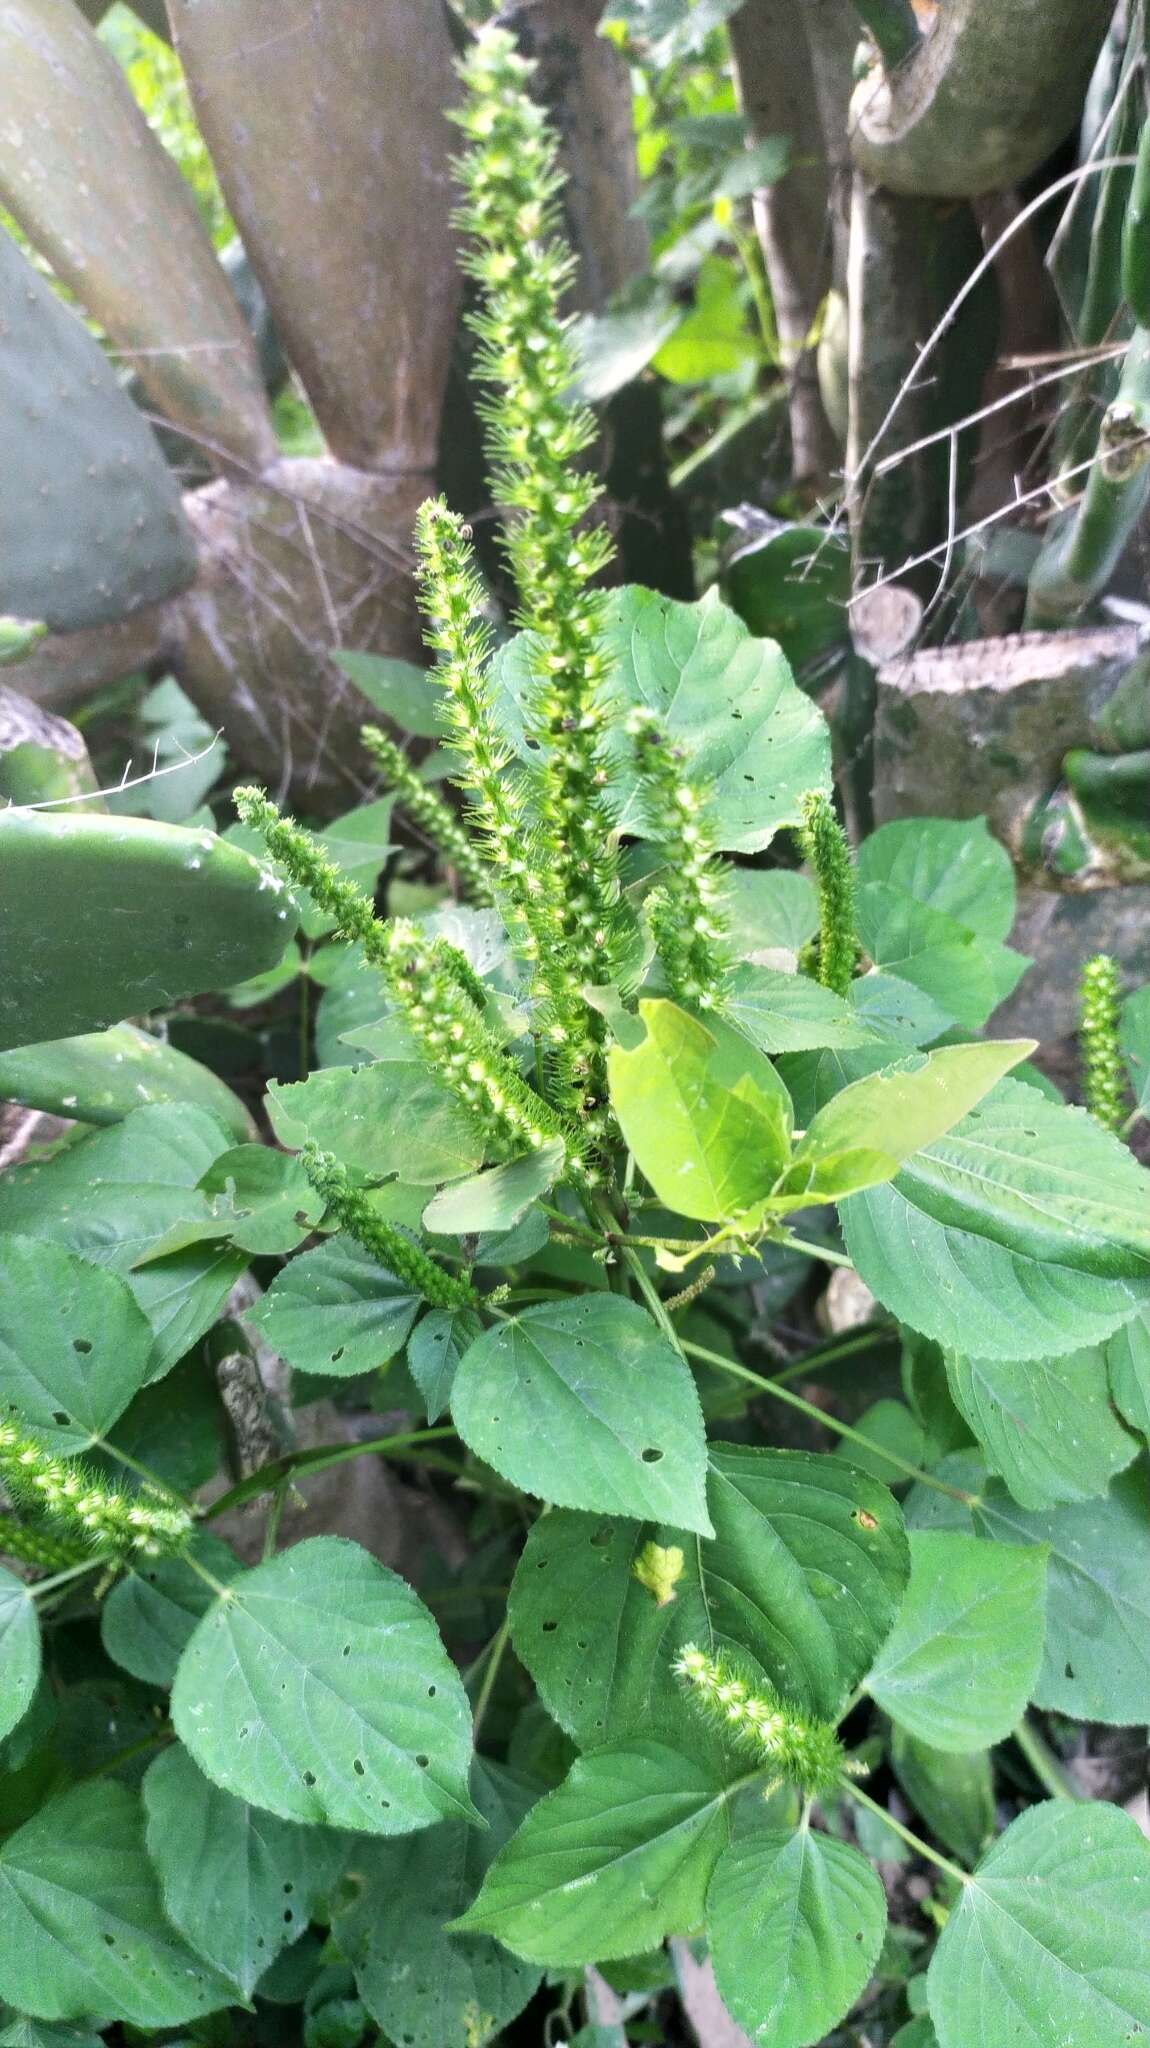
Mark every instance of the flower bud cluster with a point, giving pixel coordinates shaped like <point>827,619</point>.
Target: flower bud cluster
<point>796,1747</point>
<point>69,1494</point>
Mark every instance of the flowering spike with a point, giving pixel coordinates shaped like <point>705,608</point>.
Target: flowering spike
<point>792,1743</point>
<point>1103,1078</point>
<point>659,1569</point>
<point>685,917</point>
<point>42,1548</point>
<point>352,1210</point>
<point>423,982</point>
<point>535,437</point>
<point>427,810</point>
<point>826,849</point>
<point>98,1517</point>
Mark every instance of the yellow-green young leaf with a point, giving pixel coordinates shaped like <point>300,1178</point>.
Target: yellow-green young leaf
<point>795,1921</point>
<point>1128,1360</point>
<point>82,1929</point>
<point>1049,1943</point>
<point>609,1864</point>
<point>892,1114</point>
<point>238,1884</point>
<point>425,1986</point>
<point>708,1139</point>
<point>962,1659</point>
<point>317,1687</point>
<point>586,1404</point>
<point>19,1651</point>
<point>1045,1424</point>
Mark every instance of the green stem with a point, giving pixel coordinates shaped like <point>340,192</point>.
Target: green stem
<point>912,1841</point>
<point>495,1655</point>
<point>812,1251</point>
<point>1051,1774</point>
<point>831,1354</point>
<point>269,1477</point>
<point>893,29</point>
<point>75,1571</point>
<point>820,1415</point>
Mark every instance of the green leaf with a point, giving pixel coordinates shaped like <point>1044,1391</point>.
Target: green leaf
<point>1050,1940</point>
<point>495,1200</point>
<point>102,1076</point>
<point>953,1791</point>
<point>434,1350</point>
<point>803,1576</point>
<point>337,1311</point>
<point>967,976</point>
<point>1023,1233</point>
<point>950,864</point>
<point>26,2033</point>
<point>238,1884</point>
<point>19,1651</point>
<point>410,696</point>
<point>587,1405</point>
<point>263,1199</point>
<point>714,338</point>
<point>392,1117</point>
<point>1134,1035</point>
<point>961,1661</point>
<point>103,918</point>
<point>151,1613</point>
<point>791,583</point>
<point>795,1921</point>
<point>609,1864</point>
<point>769,910</point>
<point>1128,1360</point>
<point>74,1347</point>
<point>888,1116</point>
<point>710,1142</point>
<point>317,1687</point>
<point>1045,1424</point>
<point>896,1010</point>
<point>112,1196</point>
<point>789,1012</point>
<point>613,347</point>
<point>82,1929</point>
<point>424,1986</point>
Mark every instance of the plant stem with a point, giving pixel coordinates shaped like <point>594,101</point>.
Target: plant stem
<point>1047,1768</point>
<point>494,1656</point>
<point>831,1354</point>
<point>269,1477</point>
<point>820,1415</point>
<point>75,1571</point>
<point>813,1251</point>
<point>912,1841</point>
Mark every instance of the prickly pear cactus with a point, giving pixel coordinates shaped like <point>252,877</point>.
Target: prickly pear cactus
<point>102,1076</point>
<point>91,527</point>
<point>103,918</point>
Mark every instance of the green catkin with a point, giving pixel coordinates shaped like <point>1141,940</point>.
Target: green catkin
<point>790,1743</point>
<point>684,913</point>
<point>352,1210</point>
<point>39,1547</point>
<point>427,810</point>
<point>535,437</point>
<point>827,852</point>
<point>70,1494</point>
<point>423,982</point>
<point>1102,1071</point>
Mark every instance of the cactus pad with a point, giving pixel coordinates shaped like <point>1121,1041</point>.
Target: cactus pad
<point>103,918</point>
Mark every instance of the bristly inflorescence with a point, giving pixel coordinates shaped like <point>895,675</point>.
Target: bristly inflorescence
<point>791,1744</point>
<point>427,810</point>
<point>1103,1077</point>
<point>433,990</point>
<point>684,909</point>
<point>827,850</point>
<point>42,1548</point>
<point>535,437</point>
<point>351,1208</point>
<point>98,1516</point>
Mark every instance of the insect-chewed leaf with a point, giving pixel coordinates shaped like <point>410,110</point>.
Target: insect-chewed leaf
<point>19,1651</point>
<point>317,1687</point>
<point>74,1346</point>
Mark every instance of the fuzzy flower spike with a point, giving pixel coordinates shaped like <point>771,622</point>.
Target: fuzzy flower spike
<point>788,1742</point>
<point>684,910</point>
<point>535,437</point>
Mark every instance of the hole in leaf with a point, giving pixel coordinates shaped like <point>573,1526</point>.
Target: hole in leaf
<point>431,1690</point>
<point>309,1777</point>
<point>337,1355</point>
<point>651,1456</point>
<point>82,1344</point>
<point>549,1627</point>
<point>423,1762</point>
<point>59,1415</point>
<point>357,1766</point>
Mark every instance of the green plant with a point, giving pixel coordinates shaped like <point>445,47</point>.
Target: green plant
<point>599,1142</point>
